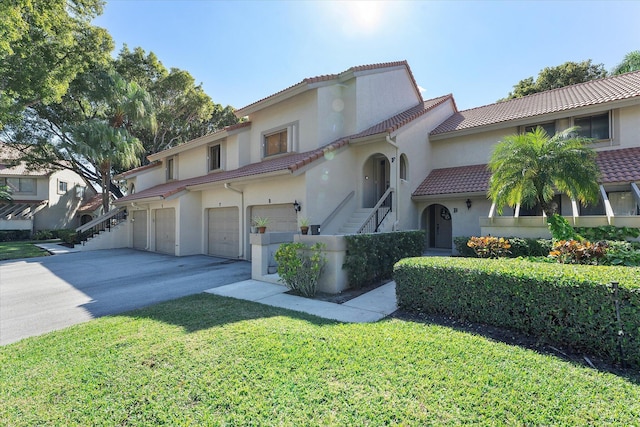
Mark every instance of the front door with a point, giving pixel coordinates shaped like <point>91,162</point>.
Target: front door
<point>440,230</point>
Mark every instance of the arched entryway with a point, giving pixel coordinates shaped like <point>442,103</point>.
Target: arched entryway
<point>376,179</point>
<point>85,219</point>
<point>436,219</point>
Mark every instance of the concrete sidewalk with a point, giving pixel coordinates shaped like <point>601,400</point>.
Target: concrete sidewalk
<point>369,307</point>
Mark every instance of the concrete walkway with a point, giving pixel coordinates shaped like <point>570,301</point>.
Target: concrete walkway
<point>369,307</point>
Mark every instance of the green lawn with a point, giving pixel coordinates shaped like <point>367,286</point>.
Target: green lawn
<point>14,250</point>
<point>208,360</point>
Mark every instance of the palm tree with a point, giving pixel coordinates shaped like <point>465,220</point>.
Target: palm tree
<point>529,168</point>
<point>631,62</point>
<point>106,139</point>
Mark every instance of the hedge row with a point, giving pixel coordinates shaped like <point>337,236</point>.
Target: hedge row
<point>370,257</point>
<point>567,304</point>
<point>66,235</point>
<point>520,247</point>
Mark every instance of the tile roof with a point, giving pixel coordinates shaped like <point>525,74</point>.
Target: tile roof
<point>291,162</point>
<point>616,166</point>
<point>461,179</point>
<point>9,166</point>
<point>615,88</point>
<point>619,165</point>
<point>328,77</point>
<point>134,171</point>
<point>91,205</point>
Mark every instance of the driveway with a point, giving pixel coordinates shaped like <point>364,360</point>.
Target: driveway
<point>39,295</point>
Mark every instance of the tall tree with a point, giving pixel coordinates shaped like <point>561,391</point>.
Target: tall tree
<point>43,46</point>
<point>528,168</point>
<point>631,62</point>
<point>183,110</point>
<point>562,75</point>
<point>5,194</point>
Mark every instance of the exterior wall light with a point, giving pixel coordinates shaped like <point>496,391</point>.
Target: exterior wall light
<point>468,202</point>
<point>296,206</point>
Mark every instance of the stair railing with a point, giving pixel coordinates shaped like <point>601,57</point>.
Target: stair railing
<point>102,223</point>
<point>378,214</point>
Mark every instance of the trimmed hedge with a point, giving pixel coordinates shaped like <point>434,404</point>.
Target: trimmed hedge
<point>370,257</point>
<point>14,235</point>
<point>520,247</point>
<point>567,304</point>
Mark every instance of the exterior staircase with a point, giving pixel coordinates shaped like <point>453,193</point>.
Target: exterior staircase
<point>370,220</point>
<point>355,221</point>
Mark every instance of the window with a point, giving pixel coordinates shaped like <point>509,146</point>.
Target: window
<point>275,143</point>
<point>403,167</point>
<point>62,187</point>
<point>20,185</point>
<point>537,209</point>
<point>214,157</point>
<point>170,170</point>
<point>596,127</point>
<point>550,128</point>
<point>623,203</point>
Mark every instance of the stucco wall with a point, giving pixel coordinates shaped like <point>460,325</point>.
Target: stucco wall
<point>62,207</point>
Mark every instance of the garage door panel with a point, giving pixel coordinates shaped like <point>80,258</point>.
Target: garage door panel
<point>166,231</point>
<point>282,217</point>
<point>224,226</point>
<point>139,229</point>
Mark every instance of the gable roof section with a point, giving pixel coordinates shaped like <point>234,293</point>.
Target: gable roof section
<point>289,163</point>
<point>133,172</point>
<point>10,166</point>
<point>615,88</point>
<point>307,83</point>
<point>616,166</point>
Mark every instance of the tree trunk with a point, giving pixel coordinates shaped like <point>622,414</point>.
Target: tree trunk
<point>106,181</point>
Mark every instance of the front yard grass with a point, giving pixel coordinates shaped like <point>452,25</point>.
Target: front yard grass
<point>15,250</point>
<point>208,360</point>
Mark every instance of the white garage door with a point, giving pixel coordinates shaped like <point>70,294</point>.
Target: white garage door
<point>224,225</point>
<point>139,219</point>
<point>281,217</point>
<point>166,231</point>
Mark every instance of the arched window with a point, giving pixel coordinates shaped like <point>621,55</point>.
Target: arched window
<point>403,167</point>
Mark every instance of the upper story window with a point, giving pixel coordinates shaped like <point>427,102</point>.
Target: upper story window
<point>170,169</point>
<point>62,187</point>
<point>549,128</point>
<point>276,143</point>
<point>20,185</point>
<point>215,157</point>
<point>595,127</point>
<point>403,167</point>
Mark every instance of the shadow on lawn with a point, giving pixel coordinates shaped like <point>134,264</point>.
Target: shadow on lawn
<point>525,341</point>
<point>203,311</point>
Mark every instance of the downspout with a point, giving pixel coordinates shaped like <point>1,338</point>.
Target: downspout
<point>228,187</point>
<point>393,143</point>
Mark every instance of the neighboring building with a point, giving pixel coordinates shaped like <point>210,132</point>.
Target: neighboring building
<point>42,199</point>
<point>363,144</point>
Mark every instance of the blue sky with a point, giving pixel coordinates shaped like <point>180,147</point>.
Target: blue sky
<point>242,51</point>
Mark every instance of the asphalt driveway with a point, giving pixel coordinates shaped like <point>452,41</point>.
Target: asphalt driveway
<point>39,295</point>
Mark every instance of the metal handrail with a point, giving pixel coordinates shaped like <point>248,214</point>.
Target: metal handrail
<point>100,219</point>
<point>375,212</point>
<point>103,223</point>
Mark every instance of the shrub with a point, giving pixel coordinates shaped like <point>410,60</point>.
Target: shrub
<point>575,252</point>
<point>608,232</point>
<point>567,304</point>
<point>370,257</point>
<point>622,253</point>
<point>520,247</point>
<point>14,235</point>
<point>43,235</point>
<point>561,229</point>
<point>300,266</point>
<point>489,247</point>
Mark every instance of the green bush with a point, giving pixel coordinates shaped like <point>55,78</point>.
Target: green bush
<point>43,235</point>
<point>520,247</point>
<point>370,257</point>
<point>300,266</point>
<point>568,304</point>
<point>69,236</point>
<point>622,253</point>
<point>14,235</point>
<point>608,232</point>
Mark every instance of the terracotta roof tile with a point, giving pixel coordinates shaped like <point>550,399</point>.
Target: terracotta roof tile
<point>327,77</point>
<point>291,162</point>
<point>619,165</point>
<point>595,92</point>
<point>92,204</point>
<point>461,179</point>
<point>616,166</point>
<point>396,122</point>
<point>130,172</point>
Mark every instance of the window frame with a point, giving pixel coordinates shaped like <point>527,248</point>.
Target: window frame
<point>212,164</point>
<point>529,128</point>
<point>291,141</point>
<point>18,190</point>
<point>404,167</point>
<point>62,184</point>
<point>591,116</point>
<point>171,169</point>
